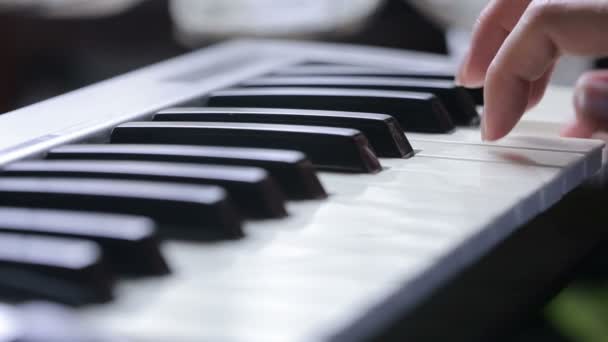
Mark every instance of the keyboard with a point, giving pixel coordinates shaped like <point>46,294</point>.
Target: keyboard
<point>262,190</point>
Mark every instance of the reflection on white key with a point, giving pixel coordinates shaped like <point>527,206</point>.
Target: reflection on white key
<point>496,154</point>
<point>492,175</point>
<point>592,149</point>
<point>490,186</point>
<point>572,164</point>
<point>437,181</point>
<point>471,136</point>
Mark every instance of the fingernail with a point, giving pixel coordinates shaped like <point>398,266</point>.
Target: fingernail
<point>483,129</point>
<point>592,99</point>
<point>458,79</point>
<point>467,82</point>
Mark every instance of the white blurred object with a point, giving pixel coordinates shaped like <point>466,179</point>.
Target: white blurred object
<point>460,16</point>
<point>202,19</point>
<point>69,8</point>
<point>269,18</point>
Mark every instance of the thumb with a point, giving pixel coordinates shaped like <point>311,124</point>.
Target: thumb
<point>591,103</point>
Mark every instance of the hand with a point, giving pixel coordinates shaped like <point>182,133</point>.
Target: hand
<point>515,45</point>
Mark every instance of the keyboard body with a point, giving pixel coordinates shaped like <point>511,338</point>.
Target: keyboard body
<point>444,244</point>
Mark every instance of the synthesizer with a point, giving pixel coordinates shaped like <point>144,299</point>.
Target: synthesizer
<point>262,190</point>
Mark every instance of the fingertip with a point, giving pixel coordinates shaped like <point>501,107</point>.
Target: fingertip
<point>489,130</point>
<point>471,83</point>
<point>460,79</point>
<point>569,131</point>
<point>591,97</point>
<point>461,74</point>
<point>506,99</point>
<point>492,134</point>
<point>482,127</point>
<point>466,78</point>
<point>578,129</point>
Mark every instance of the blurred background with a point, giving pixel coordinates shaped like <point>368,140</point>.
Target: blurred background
<point>49,47</point>
<point>47,50</point>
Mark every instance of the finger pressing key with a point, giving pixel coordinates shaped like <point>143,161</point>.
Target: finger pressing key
<point>546,31</point>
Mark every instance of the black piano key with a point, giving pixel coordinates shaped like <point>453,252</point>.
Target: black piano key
<point>129,243</point>
<point>416,112</point>
<point>71,260</point>
<point>291,169</point>
<point>199,212</point>
<point>360,71</point>
<point>251,188</point>
<point>330,148</point>
<point>457,100</point>
<point>476,95</point>
<point>383,131</point>
<point>19,285</point>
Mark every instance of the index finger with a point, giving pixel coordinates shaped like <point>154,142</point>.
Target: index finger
<point>493,26</point>
<point>546,31</point>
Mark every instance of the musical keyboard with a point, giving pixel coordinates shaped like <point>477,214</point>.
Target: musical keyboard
<point>285,191</point>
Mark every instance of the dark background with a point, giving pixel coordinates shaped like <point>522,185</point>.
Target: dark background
<point>46,57</point>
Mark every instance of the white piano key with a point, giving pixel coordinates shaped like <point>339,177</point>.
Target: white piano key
<point>466,135</point>
<point>496,154</point>
<point>470,136</point>
<point>410,214</point>
<point>490,174</point>
<point>438,182</point>
<point>259,291</point>
<point>573,165</point>
<point>459,180</point>
<point>528,200</point>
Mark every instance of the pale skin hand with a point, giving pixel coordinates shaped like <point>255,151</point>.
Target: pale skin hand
<point>515,46</point>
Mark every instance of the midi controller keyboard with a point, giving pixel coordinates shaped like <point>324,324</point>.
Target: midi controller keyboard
<point>263,190</point>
